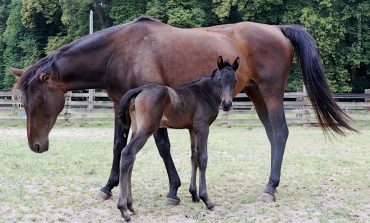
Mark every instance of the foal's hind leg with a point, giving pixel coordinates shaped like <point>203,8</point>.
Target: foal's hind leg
<point>163,144</point>
<point>128,157</point>
<point>120,141</point>
<point>129,197</point>
<point>194,167</point>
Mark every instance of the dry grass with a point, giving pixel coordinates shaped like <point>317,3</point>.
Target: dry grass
<point>322,181</point>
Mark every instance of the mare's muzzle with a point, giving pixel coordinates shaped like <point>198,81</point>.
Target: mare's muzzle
<point>39,148</point>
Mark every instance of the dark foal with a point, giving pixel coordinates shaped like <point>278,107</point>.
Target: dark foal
<point>193,106</point>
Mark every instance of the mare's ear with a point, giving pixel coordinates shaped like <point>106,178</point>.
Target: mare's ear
<point>44,77</point>
<point>236,64</point>
<point>15,71</point>
<point>220,63</point>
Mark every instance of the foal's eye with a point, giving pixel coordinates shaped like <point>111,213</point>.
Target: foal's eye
<point>218,81</point>
<point>41,100</point>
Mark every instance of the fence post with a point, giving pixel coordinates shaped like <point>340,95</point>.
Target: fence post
<point>91,99</point>
<point>306,111</point>
<point>367,99</point>
<point>225,119</point>
<point>67,114</point>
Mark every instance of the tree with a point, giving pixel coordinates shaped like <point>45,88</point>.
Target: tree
<point>4,13</point>
<point>22,47</point>
<point>126,11</point>
<point>185,14</point>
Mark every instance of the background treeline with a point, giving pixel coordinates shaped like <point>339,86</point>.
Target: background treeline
<point>29,29</point>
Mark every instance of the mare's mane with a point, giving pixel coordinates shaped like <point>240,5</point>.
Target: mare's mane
<point>48,63</point>
<point>43,65</point>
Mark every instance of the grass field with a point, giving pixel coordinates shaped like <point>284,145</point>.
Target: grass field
<point>322,180</point>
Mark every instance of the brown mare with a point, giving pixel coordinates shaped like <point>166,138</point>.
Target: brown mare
<point>147,51</point>
<point>192,106</point>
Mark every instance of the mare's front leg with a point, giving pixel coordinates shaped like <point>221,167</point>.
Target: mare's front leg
<point>201,139</point>
<point>163,144</point>
<point>128,157</point>
<point>120,141</point>
<point>194,168</point>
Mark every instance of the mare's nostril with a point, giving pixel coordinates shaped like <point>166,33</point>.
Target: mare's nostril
<point>37,148</point>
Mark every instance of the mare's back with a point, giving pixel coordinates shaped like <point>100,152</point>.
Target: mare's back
<point>179,55</point>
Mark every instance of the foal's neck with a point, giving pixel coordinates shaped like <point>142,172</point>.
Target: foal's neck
<point>209,89</point>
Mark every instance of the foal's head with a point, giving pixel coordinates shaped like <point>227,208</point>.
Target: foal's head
<point>226,80</point>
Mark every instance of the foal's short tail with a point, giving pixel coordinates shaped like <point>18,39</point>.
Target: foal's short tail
<point>328,113</point>
<point>123,106</point>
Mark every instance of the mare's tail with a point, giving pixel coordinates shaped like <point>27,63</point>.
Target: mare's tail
<point>123,106</point>
<point>331,118</point>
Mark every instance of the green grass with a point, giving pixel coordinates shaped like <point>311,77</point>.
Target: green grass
<point>322,180</point>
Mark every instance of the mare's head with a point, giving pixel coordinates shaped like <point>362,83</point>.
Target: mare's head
<point>226,80</point>
<point>42,98</point>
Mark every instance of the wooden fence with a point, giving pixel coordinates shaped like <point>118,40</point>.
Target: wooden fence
<point>94,105</point>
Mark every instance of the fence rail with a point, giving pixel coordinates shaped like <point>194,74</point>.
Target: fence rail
<point>82,105</point>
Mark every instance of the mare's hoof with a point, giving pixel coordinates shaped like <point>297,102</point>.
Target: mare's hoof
<point>102,196</point>
<point>268,198</point>
<point>171,202</point>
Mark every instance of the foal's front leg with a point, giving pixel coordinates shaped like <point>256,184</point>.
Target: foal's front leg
<point>194,168</point>
<point>202,138</point>
<point>128,156</point>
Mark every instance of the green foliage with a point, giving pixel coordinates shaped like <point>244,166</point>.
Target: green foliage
<point>185,14</point>
<point>157,9</point>
<point>4,13</point>
<point>32,28</point>
<point>126,11</point>
<point>22,47</point>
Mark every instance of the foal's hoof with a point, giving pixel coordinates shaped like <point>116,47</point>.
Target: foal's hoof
<point>195,199</point>
<point>268,198</point>
<point>126,215</point>
<point>210,206</point>
<point>171,202</point>
<point>131,208</point>
<point>102,196</point>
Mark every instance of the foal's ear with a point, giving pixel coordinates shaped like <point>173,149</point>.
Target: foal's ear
<point>220,63</point>
<point>44,77</point>
<point>236,64</point>
<point>214,72</point>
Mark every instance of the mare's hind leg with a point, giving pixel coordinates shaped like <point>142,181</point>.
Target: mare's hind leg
<point>163,144</point>
<point>194,167</point>
<point>128,157</point>
<point>120,141</point>
<point>273,99</point>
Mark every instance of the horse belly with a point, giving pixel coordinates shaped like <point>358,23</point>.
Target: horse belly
<point>178,123</point>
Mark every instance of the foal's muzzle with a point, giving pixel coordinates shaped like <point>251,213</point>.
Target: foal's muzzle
<point>226,106</point>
